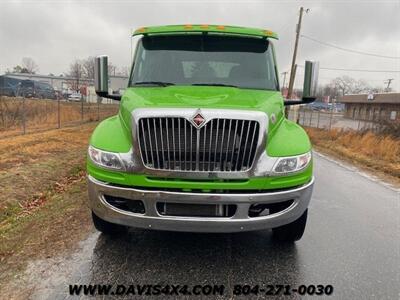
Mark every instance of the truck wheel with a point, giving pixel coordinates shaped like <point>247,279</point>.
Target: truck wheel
<point>291,232</point>
<point>106,227</point>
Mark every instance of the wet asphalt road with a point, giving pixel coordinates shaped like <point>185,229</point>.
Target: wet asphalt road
<point>352,242</point>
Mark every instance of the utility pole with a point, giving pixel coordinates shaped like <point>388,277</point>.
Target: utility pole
<point>296,43</point>
<point>389,81</point>
<point>284,79</point>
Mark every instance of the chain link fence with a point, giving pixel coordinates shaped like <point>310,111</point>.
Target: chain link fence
<point>27,115</point>
<point>328,120</point>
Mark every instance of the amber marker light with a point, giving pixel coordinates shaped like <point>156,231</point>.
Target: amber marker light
<point>268,32</point>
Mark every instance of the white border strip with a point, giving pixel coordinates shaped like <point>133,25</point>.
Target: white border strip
<point>360,172</point>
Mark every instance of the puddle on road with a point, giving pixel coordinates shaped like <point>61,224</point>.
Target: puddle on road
<point>46,276</point>
<point>156,257</point>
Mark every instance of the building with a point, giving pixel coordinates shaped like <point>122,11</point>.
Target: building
<point>60,83</point>
<point>372,107</point>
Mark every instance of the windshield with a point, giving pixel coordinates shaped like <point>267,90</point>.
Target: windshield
<point>204,60</point>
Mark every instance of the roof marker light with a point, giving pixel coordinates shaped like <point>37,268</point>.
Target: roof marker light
<point>221,27</point>
<point>204,26</point>
<point>268,32</point>
<point>188,26</point>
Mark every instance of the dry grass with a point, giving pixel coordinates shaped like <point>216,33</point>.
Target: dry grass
<point>43,196</point>
<point>44,114</point>
<point>377,152</point>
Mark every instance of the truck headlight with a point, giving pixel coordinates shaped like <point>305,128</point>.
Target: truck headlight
<point>292,163</point>
<point>105,159</point>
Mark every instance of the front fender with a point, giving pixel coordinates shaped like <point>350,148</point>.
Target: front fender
<point>288,139</point>
<point>111,135</point>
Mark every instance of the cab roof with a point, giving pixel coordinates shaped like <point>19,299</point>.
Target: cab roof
<point>217,29</point>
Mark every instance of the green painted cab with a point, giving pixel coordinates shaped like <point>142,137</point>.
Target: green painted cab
<point>201,133</point>
<point>229,71</point>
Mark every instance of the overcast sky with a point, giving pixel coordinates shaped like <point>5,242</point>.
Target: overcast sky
<point>54,33</point>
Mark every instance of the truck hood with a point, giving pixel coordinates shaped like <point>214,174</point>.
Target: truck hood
<point>269,102</point>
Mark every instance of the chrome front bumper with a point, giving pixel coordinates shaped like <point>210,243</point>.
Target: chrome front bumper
<point>240,221</point>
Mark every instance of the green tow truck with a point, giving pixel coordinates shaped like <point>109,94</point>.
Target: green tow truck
<point>201,142</point>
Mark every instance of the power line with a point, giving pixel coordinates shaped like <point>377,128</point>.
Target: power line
<point>356,70</point>
<point>360,70</point>
<point>348,50</point>
<point>288,24</point>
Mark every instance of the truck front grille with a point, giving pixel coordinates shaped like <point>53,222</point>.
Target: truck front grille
<point>221,145</point>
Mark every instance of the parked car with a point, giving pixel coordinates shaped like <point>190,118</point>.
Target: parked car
<point>339,107</point>
<point>318,106</point>
<point>9,86</point>
<point>75,97</point>
<point>36,89</point>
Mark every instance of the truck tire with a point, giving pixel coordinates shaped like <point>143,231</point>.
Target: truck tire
<point>106,227</point>
<point>291,232</point>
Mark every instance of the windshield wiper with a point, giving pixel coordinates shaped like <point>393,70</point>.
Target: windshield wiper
<point>215,84</point>
<point>157,83</point>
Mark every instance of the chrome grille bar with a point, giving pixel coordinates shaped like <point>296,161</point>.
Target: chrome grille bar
<point>251,145</point>
<point>185,154</point>
<point>220,145</point>
<point>209,156</point>
<point>155,138</point>
<point>204,146</point>
<point>162,141</point>
<point>234,140</point>
<point>179,143</point>
<point>227,148</point>
<point>168,166</point>
<point>145,159</point>
<point>151,146</point>
<point>173,143</point>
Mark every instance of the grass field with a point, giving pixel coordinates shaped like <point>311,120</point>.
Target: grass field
<point>43,201</point>
<point>38,115</point>
<point>379,153</point>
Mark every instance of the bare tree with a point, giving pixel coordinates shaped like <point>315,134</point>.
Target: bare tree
<point>29,64</point>
<point>360,86</point>
<point>112,69</point>
<point>348,85</point>
<point>327,90</point>
<point>76,71</point>
<point>343,84</point>
<point>82,71</point>
<point>123,71</point>
<point>88,67</point>
<point>378,89</point>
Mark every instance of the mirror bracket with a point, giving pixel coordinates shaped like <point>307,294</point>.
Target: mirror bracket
<point>109,96</point>
<point>304,100</point>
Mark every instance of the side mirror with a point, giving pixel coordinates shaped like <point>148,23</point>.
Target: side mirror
<point>310,79</point>
<point>311,70</point>
<point>101,74</point>
<point>101,78</point>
